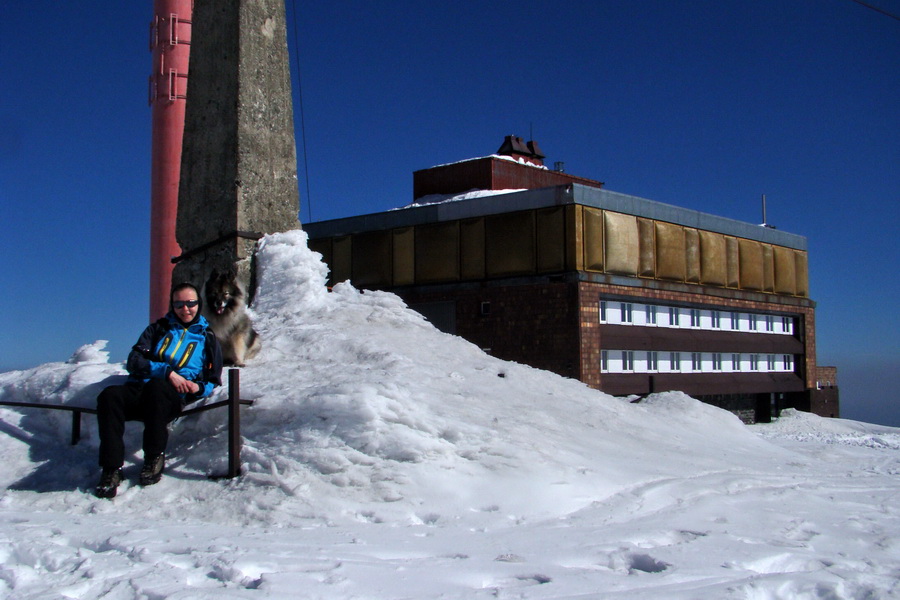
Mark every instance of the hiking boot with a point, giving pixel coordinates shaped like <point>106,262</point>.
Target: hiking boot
<point>153,469</point>
<point>109,483</point>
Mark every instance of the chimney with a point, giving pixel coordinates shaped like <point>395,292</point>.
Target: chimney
<point>514,147</point>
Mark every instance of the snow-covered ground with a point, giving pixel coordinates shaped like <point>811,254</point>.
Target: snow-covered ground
<point>385,459</point>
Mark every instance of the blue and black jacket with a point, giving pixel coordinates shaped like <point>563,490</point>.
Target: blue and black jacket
<point>190,350</point>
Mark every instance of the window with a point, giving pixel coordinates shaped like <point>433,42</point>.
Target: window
<point>653,361</point>
<point>752,322</point>
<point>627,360</point>
<point>735,362</point>
<point>627,314</point>
<point>786,324</point>
<point>717,362</point>
<point>673,316</point>
<point>604,360</point>
<point>754,362</point>
<point>675,361</point>
<point>650,310</point>
<point>770,323</point>
<point>770,362</point>
<point>695,317</point>
<point>735,321</point>
<point>696,361</point>
<point>716,319</point>
<point>603,311</point>
<point>788,362</point>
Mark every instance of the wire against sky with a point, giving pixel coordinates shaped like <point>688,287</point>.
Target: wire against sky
<point>876,9</point>
<point>302,118</point>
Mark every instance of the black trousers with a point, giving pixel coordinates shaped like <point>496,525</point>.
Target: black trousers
<point>156,403</point>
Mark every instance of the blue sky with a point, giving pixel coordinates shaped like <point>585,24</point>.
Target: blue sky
<point>707,104</point>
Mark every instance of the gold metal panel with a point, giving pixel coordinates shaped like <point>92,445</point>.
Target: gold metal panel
<point>437,252</point>
<point>371,259</point>
<point>670,251</point>
<point>713,258</point>
<point>751,265</point>
<point>471,253</point>
<point>732,262</point>
<point>342,250</point>
<point>768,268</point>
<point>691,255</point>
<point>404,254</point>
<point>622,243</point>
<point>785,271</point>
<point>801,262</point>
<point>550,238</point>
<point>509,244</point>
<point>647,242</point>
<point>593,239</point>
<point>574,238</point>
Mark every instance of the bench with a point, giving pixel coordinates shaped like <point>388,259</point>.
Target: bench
<point>233,403</point>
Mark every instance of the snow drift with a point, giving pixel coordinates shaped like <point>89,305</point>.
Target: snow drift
<point>365,417</point>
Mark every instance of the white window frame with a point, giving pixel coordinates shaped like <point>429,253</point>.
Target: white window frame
<point>675,361</point>
<point>674,316</point>
<point>696,361</point>
<point>695,317</point>
<point>787,325</point>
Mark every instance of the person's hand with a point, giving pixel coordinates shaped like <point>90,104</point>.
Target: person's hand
<point>182,385</point>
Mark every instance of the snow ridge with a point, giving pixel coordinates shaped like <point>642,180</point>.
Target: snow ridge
<point>384,459</point>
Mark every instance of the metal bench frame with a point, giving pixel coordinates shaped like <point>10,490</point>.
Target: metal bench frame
<point>233,403</point>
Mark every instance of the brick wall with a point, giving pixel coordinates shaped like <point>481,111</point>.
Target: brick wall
<point>534,324</point>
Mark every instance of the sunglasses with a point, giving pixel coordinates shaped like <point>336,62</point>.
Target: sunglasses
<point>183,303</point>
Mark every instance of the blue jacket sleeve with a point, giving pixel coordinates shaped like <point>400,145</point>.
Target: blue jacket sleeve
<point>139,364</point>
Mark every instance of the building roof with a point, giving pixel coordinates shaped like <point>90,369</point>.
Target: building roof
<point>560,195</point>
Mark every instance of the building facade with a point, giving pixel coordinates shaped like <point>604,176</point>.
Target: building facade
<point>628,295</point>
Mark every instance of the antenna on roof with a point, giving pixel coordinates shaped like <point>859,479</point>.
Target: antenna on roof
<point>765,223</point>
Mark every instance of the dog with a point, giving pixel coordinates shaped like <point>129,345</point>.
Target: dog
<point>226,310</point>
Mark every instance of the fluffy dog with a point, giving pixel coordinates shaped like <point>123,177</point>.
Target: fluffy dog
<point>226,310</point>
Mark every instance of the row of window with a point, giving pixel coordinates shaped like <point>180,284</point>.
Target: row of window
<point>657,315</point>
<point>634,361</point>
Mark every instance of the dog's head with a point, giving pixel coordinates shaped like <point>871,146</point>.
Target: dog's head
<point>223,293</point>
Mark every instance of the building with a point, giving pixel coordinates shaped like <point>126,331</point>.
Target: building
<point>628,295</point>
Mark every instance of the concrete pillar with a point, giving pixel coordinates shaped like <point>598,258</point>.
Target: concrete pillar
<point>239,161</point>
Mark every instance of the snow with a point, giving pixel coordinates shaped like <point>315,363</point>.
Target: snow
<point>384,459</point>
<point>444,198</point>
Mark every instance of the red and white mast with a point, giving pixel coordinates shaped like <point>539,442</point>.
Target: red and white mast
<point>170,43</point>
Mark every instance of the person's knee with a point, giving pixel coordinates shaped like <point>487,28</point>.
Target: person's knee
<point>158,387</point>
<point>110,396</point>
<point>160,399</point>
